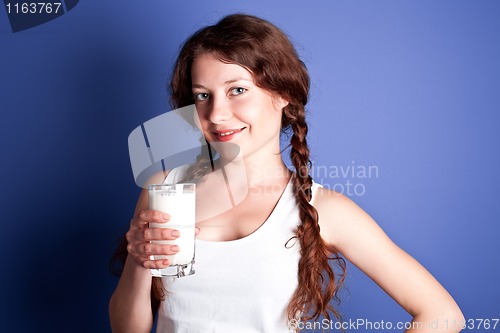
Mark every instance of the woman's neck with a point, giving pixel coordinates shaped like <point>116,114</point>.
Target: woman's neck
<point>259,170</point>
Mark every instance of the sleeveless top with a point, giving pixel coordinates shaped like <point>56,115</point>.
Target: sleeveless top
<point>241,286</point>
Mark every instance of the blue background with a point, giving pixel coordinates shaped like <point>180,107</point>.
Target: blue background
<point>411,87</point>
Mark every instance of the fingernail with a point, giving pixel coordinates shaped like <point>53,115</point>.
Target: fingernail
<point>176,233</point>
<point>174,248</point>
<point>165,216</point>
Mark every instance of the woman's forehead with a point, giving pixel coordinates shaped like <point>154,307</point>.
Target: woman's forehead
<point>209,68</point>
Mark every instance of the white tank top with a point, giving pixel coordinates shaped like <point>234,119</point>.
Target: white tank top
<point>240,286</point>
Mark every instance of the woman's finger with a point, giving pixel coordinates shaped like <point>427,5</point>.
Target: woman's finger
<point>150,234</point>
<point>153,216</point>
<point>146,249</point>
<point>153,249</point>
<point>154,264</point>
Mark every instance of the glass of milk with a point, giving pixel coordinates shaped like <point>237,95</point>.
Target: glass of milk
<point>177,200</point>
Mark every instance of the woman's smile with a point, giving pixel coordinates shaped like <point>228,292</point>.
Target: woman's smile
<point>227,134</point>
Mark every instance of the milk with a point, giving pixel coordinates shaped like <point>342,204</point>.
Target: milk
<point>179,203</point>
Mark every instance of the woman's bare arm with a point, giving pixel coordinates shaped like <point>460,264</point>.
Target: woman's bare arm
<point>353,233</point>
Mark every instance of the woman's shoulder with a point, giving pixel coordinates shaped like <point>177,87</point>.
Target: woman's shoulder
<point>328,202</point>
<point>168,176</point>
<point>325,199</point>
<point>176,174</point>
<point>337,213</point>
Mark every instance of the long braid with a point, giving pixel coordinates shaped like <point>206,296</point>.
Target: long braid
<point>313,295</point>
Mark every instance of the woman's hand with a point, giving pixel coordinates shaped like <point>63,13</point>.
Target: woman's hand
<point>139,238</point>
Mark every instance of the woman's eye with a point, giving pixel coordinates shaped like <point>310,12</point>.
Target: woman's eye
<point>201,96</point>
<point>237,91</point>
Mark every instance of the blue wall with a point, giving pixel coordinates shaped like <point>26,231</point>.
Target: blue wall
<point>408,88</point>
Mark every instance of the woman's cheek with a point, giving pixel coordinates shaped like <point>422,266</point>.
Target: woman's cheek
<point>246,108</point>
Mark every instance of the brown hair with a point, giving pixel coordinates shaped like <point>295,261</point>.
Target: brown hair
<point>267,53</point>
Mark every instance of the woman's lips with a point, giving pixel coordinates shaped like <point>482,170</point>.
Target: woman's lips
<point>227,134</point>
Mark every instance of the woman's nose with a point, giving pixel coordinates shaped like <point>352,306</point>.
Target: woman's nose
<point>220,111</point>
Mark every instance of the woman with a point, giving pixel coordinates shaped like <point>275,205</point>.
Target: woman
<point>267,261</point>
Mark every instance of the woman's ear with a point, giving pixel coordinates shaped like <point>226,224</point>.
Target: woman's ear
<point>280,102</point>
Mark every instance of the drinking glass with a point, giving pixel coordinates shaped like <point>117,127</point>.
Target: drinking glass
<point>179,201</point>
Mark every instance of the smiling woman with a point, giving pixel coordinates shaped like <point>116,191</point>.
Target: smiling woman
<point>266,264</point>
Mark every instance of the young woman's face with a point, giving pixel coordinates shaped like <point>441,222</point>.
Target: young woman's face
<point>233,109</point>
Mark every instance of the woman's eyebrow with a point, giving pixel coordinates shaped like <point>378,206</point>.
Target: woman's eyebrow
<point>235,80</point>
<point>196,85</point>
